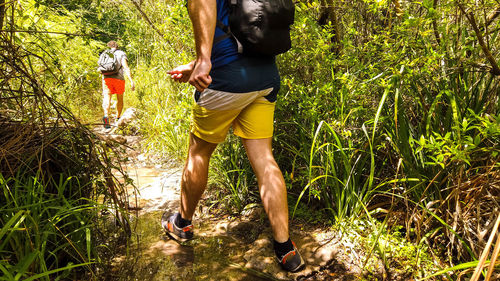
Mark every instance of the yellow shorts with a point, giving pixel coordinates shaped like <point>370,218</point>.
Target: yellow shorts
<point>250,114</point>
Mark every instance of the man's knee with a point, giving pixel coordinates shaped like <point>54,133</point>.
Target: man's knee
<point>259,149</point>
<point>200,148</point>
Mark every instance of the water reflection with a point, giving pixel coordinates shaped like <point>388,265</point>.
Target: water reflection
<point>154,256</point>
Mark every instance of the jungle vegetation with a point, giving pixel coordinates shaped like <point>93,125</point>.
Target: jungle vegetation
<point>387,124</point>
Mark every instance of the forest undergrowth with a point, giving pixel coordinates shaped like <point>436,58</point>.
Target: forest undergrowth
<point>387,124</point>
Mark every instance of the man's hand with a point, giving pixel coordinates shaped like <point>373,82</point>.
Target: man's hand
<point>182,73</point>
<point>200,77</point>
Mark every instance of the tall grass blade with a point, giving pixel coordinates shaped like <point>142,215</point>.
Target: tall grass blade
<point>17,219</point>
<point>46,274</point>
<point>461,266</point>
<point>486,251</point>
<point>494,257</point>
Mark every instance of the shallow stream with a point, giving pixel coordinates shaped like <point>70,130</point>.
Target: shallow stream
<point>225,248</point>
<point>154,256</point>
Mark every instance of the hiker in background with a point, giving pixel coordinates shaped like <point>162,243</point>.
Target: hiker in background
<point>236,90</point>
<point>114,67</point>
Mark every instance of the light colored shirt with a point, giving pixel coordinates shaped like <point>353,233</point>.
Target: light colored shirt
<point>120,55</point>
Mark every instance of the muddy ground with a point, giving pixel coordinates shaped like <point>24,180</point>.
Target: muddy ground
<point>225,247</point>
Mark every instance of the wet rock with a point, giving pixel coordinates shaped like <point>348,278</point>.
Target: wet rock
<point>127,117</point>
<point>114,139</point>
<point>119,139</point>
<point>221,227</point>
<point>246,231</point>
<point>133,141</point>
<point>313,252</point>
<point>259,255</point>
<point>253,212</point>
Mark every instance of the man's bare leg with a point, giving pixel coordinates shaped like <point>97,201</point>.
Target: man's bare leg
<point>119,105</point>
<point>195,175</point>
<point>271,185</point>
<point>106,99</point>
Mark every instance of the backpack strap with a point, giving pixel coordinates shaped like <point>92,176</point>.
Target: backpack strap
<point>119,61</point>
<point>227,32</point>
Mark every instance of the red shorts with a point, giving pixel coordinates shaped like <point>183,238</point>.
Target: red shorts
<point>115,86</point>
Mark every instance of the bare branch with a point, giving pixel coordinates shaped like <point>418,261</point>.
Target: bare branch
<point>470,16</point>
<point>492,16</point>
<point>45,32</point>
<point>146,18</point>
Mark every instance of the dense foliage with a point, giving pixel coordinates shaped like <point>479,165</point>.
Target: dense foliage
<point>58,192</point>
<point>388,112</point>
<point>386,106</point>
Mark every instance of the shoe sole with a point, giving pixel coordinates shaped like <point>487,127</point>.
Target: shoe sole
<point>175,237</point>
<point>299,267</point>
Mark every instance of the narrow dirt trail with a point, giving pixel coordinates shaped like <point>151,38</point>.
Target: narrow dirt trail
<point>228,248</point>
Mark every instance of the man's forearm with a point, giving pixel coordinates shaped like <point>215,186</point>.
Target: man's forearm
<point>203,14</point>
<point>128,74</point>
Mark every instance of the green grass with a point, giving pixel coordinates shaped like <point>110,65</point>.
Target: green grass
<point>43,232</point>
<point>46,235</point>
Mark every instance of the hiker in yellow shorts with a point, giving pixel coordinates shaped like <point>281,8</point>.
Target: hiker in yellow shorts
<point>238,91</point>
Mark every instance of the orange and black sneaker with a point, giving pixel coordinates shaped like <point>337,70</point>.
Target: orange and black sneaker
<point>291,261</point>
<point>182,234</point>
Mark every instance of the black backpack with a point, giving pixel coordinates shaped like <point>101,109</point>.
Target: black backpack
<point>261,27</point>
<point>108,63</point>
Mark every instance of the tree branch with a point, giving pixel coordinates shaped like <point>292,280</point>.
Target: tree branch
<point>470,16</point>
<point>45,32</point>
<point>492,16</point>
<point>146,18</point>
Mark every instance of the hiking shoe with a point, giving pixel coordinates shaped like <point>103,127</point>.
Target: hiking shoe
<point>105,120</point>
<point>291,261</point>
<point>180,234</point>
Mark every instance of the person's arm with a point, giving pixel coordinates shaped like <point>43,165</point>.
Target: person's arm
<point>203,15</point>
<point>126,71</point>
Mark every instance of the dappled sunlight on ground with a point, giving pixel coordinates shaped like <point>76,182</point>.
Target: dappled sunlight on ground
<point>224,248</point>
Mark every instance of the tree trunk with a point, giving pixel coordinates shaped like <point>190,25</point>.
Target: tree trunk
<point>2,13</point>
<point>435,26</point>
<point>328,15</point>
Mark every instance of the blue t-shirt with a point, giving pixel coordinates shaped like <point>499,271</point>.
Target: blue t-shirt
<point>225,51</point>
<point>247,74</point>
